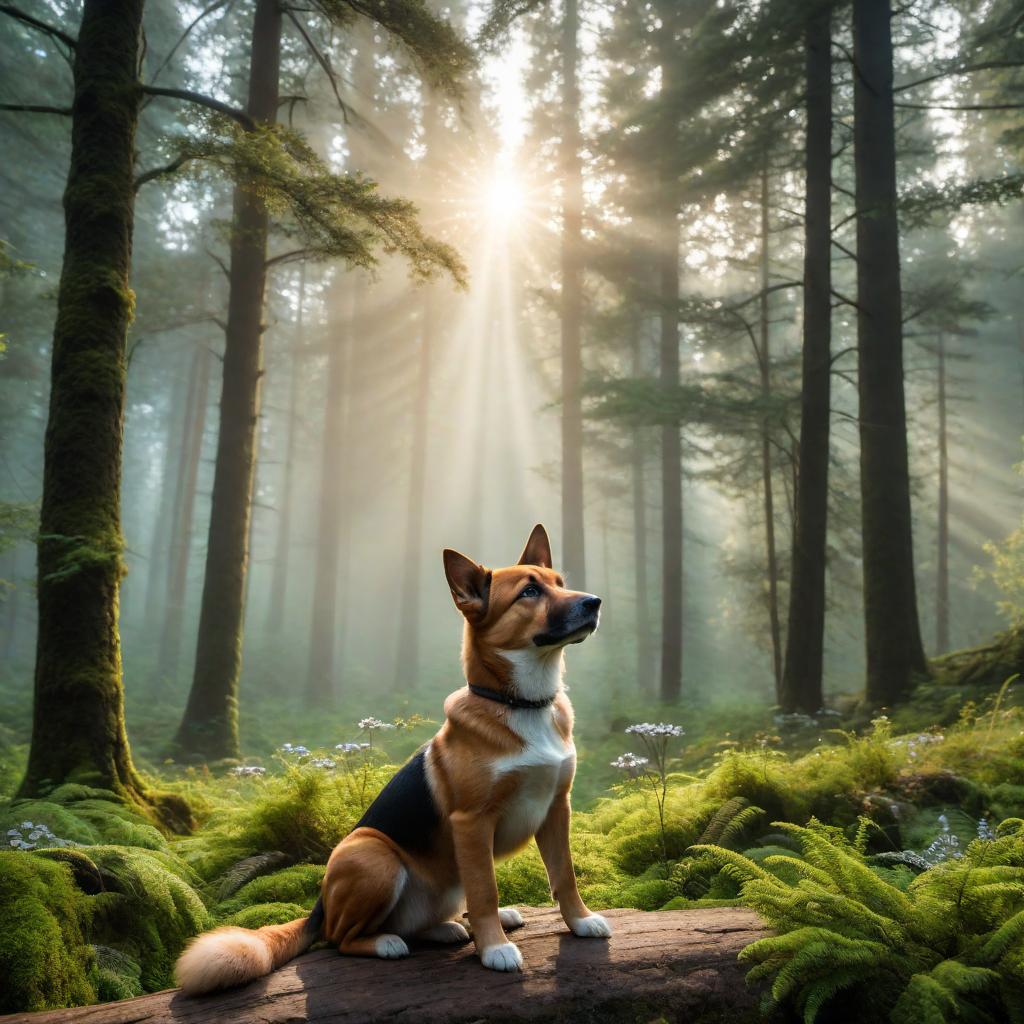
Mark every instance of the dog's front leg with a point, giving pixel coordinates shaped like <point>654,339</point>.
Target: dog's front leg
<point>473,835</point>
<point>553,842</point>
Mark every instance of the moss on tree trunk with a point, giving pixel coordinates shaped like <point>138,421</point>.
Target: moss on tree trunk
<point>78,728</point>
<point>209,728</point>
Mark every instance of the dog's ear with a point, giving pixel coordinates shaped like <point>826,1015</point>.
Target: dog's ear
<point>538,549</point>
<point>470,584</point>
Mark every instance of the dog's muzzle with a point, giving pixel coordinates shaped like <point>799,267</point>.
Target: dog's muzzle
<point>572,626</point>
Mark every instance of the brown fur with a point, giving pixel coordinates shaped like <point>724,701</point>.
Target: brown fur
<point>488,782</point>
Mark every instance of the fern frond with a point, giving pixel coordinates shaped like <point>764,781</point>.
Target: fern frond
<point>801,867</point>
<point>712,834</point>
<point>740,867</point>
<point>924,1001</point>
<point>1010,933</point>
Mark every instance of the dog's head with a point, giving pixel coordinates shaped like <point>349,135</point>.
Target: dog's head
<point>523,607</point>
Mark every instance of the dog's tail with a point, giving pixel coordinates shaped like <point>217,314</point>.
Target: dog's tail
<point>233,956</point>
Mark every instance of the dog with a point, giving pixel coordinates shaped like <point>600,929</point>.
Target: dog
<point>497,774</point>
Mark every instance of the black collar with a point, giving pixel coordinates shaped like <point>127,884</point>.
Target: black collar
<point>511,702</point>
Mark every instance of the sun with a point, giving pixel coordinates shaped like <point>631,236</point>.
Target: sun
<point>504,198</point>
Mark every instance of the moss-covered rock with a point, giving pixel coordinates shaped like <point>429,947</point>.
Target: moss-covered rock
<point>298,885</point>
<point>45,961</point>
<point>153,911</point>
<point>266,913</point>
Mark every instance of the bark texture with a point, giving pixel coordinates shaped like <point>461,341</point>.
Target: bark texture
<point>209,728</point>
<point>573,549</point>
<point>677,966</point>
<point>805,636</point>
<point>78,731</point>
<point>892,629</point>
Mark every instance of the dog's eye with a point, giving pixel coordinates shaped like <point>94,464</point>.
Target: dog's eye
<point>531,591</point>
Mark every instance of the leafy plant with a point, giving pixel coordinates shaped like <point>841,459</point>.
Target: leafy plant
<point>949,948</point>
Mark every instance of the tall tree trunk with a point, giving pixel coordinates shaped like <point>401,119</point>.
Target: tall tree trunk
<point>892,628</point>
<point>671,472</point>
<point>78,730</point>
<point>645,672</point>
<point>282,548</point>
<point>163,522</point>
<point>320,688</point>
<point>209,727</point>
<point>412,562</point>
<point>668,372</point>
<point>764,365</point>
<point>11,595</point>
<point>181,547</point>
<point>805,634</point>
<point>942,574</point>
<point>573,548</point>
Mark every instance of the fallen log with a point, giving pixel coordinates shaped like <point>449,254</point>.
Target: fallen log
<point>674,966</point>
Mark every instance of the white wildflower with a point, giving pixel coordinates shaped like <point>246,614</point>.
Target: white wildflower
<point>351,748</point>
<point>630,762</point>
<point>371,724</point>
<point>652,729</point>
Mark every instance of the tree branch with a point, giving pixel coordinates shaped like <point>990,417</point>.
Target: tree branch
<point>220,263</point>
<point>322,60</point>
<point>184,35</point>
<point>34,108</point>
<point>160,172</point>
<point>845,300</point>
<point>968,106</point>
<point>203,101</point>
<point>292,256</point>
<point>761,293</point>
<point>9,9</point>
<point>988,65</point>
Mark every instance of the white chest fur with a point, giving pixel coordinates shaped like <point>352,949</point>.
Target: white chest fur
<point>545,763</point>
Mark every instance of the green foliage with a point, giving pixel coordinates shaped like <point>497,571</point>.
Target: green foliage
<point>948,948</point>
<point>331,216</point>
<point>440,54</point>
<point>1007,569</point>
<point>44,959</point>
<point>301,813</point>
<point>83,814</point>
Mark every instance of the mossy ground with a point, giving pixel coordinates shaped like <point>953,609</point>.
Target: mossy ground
<point>106,918</point>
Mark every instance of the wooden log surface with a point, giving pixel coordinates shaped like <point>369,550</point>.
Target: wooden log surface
<point>673,965</point>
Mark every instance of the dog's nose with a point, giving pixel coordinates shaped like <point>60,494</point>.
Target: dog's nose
<point>590,603</point>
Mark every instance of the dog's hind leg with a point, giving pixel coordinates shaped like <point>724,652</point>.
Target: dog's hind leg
<point>364,881</point>
<point>448,932</point>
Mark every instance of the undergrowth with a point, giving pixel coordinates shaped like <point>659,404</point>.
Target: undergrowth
<point>103,902</point>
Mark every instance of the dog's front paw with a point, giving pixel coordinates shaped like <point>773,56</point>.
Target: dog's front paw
<point>390,947</point>
<point>505,957</point>
<point>592,927</point>
<point>510,918</point>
